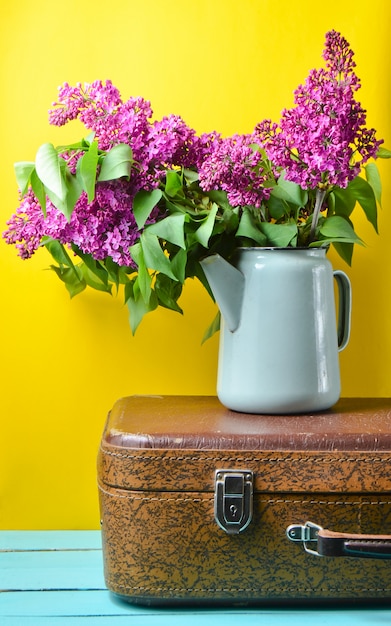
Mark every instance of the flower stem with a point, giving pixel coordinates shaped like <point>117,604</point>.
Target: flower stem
<point>320,194</point>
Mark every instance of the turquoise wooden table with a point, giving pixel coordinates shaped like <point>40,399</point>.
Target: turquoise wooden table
<point>55,578</point>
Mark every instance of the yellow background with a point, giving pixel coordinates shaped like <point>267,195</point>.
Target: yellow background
<point>221,64</point>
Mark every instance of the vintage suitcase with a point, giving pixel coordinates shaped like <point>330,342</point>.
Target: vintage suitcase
<point>201,504</point>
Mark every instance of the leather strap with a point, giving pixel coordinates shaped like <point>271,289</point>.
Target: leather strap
<point>332,543</point>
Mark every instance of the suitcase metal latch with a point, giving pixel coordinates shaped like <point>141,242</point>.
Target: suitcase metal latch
<point>233,499</point>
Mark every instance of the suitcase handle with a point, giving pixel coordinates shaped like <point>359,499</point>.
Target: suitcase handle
<point>330,543</point>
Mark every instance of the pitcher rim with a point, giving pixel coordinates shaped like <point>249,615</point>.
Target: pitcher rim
<point>301,248</point>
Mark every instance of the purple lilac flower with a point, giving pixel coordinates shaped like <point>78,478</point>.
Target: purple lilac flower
<point>103,228</point>
<point>203,146</point>
<point>100,108</point>
<point>106,226</point>
<point>26,227</point>
<point>169,141</point>
<point>234,166</point>
<point>323,139</point>
<point>155,145</point>
<point>339,56</point>
<point>73,101</point>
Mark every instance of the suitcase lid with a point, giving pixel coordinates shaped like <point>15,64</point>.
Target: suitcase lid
<point>178,442</point>
<point>196,422</point>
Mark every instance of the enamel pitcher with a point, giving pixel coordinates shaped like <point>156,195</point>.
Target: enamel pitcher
<point>279,338</point>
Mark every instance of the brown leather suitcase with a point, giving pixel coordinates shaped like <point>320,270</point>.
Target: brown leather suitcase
<point>201,504</point>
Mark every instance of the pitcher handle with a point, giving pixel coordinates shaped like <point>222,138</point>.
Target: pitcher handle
<point>344,308</point>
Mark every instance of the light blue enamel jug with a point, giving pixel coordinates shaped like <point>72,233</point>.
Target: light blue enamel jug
<point>280,337</point>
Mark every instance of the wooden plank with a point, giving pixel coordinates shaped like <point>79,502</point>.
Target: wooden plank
<point>57,604</point>
<point>12,540</point>
<point>53,569</point>
<point>85,608</point>
<point>69,565</point>
<point>275,619</point>
<point>62,603</point>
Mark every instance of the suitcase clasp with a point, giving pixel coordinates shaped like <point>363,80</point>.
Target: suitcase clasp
<point>233,499</point>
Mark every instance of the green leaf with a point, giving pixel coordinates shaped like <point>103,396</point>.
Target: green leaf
<point>213,328</point>
<point>58,252</point>
<point>178,264</point>
<point>330,204</point>
<point>290,192</point>
<point>93,279</point>
<point>136,305</point>
<point>345,251</point>
<point>143,276</point>
<point>279,235</point>
<point>173,183</point>
<point>383,153</point>
<point>204,231</point>
<point>247,228</point>
<point>344,201</point>
<point>77,145</point>
<point>190,175</point>
<point>168,291</point>
<point>230,220</point>
<point>373,177</point>
<point>365,196</point>
<point>50,169</point>
<point>38,190</point>
<point>277,207</point>
<point>117,274</point>
<point>143,204</point>
<point>73,192</point>
<point>337,228</point>
<point>23,171</point>
<point>87,170</point>
<point>171,229</point>
<point>154,256</point>
<point>72,278</point>
<point>220,197</point>
<point>95,267</point>
<point>116,163</point>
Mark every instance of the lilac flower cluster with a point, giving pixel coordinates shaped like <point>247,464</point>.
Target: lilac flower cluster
<point>319,143</point>
<point>235,166</point>
<point>155,145</point>
<point>27,226</point>
<point>323,141</point>
<point>78,102</point>
<point>106,227</point>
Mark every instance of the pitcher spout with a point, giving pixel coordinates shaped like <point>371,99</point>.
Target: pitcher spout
<point>227,285</point>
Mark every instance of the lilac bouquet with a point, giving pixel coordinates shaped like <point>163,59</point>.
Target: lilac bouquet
<point>139,202</point>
